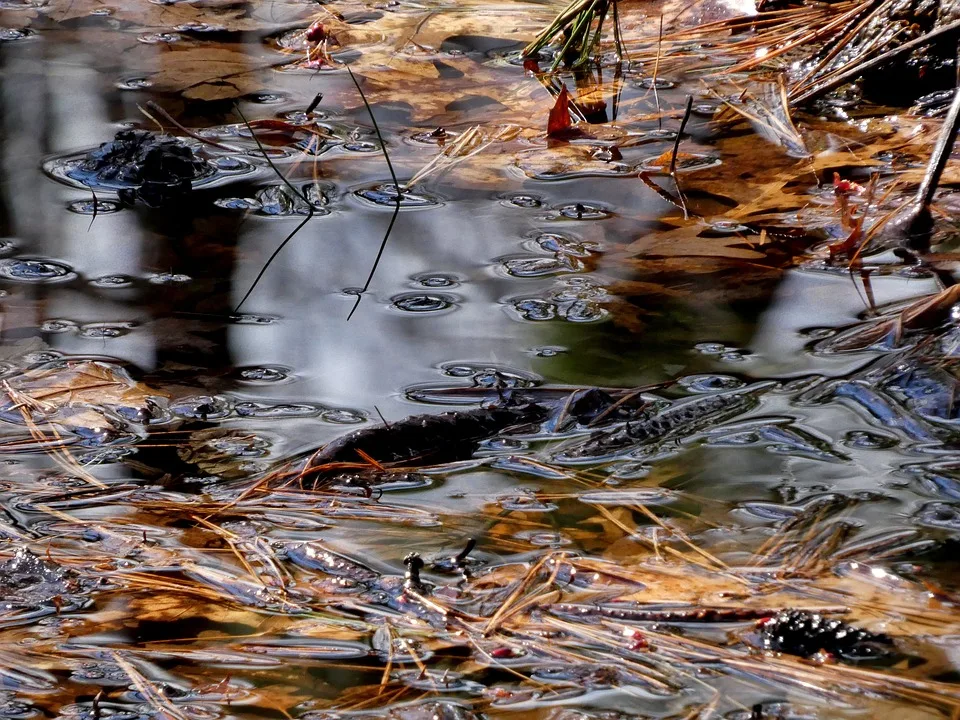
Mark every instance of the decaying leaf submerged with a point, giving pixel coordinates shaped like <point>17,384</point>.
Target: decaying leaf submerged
<point>686,417</point>
<point>625,421</point>
<point>453,436</point>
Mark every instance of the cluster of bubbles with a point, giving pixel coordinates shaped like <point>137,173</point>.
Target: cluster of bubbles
<point>722,352</point>
<point>575,299</point>
<point>218,407</point>
<point>99,330</point>
<point>565,255</point>
<point>282,201</point>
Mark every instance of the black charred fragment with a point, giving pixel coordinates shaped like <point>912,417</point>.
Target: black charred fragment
<point>427,439</point>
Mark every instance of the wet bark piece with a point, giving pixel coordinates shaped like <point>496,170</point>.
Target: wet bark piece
<point>426,439</point>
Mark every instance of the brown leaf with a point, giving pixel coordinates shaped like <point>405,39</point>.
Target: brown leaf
<point>564,160</point>
<point>18,17</point>
<point>82,383</point>
<point>210,72</point>
<point>76,394</point>
<point>686,241</point>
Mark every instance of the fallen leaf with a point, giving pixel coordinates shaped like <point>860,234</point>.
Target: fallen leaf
<point>204,72</point>
<point>559,121</point>
<point>82,383</point>
<point>75,394</point>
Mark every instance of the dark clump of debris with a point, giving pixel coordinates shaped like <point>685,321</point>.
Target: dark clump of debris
<point>803,633</point>
<point>425,439</point>
<point>29,583</point>
<point>154,169</point>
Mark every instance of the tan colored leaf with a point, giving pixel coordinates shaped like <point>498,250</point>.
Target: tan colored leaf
<point>210,72</point>
<point>82,383</point>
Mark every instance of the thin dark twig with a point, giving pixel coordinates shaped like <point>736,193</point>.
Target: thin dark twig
<point>618,83</point>
<point>296,193</point>
<point>941,153</point>
<point>618,35</point>
<point>376,261</point>
<point>382,418</point>
<point>376,128</point>
<point>468,548</point>
<point>673,157</point>
<point>273,256</point>
<point>95,204</point>
<point>396,187</point>
<point>266,156</point>
<point>677,201</point>
<point>676,142</point>
<point>656,70</point>
<point>313,105</point>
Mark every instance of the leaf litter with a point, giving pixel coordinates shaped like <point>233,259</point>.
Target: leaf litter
<point>200,585</point>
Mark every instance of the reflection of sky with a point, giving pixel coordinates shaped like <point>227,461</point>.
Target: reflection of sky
<point>381,350</point>
<point>359,364</point>
<point>362,361</point>
<point>60,105</point>
<point>781,336</point>
<point>740,7</point>
<point>56,103</point>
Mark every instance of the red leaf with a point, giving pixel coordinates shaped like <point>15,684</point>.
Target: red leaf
<point>846,187</point>
<point>316,33</point>
<point>559,122</point>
